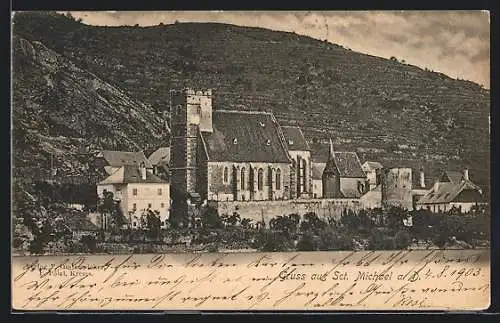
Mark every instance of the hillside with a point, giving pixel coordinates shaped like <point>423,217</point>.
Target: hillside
<point>61,113</point>
<point>386,110</point>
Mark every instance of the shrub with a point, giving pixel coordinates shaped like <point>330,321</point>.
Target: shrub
<point>332,240</point>
<point>380,240</point>
<point>306,243</point>
<point>272,241</point>
<point>402,239</point>
<point>89,243</point>
<point>213,248</point>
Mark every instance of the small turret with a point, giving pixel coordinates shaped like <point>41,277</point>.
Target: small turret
<point>331,176</point>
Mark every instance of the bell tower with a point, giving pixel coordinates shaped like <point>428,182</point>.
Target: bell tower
<point>190,113</point>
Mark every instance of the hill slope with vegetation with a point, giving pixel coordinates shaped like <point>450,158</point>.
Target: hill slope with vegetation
<point>62,113</point>
<point>382,108</point>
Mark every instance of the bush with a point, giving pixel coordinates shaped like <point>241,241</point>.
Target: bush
<point>272,241</point>
<point>89,243</point>
<point>402,239</point>
<point>332,240</point>
<point>380,240</point>
<point>307,243</point>
<point>213,248</point>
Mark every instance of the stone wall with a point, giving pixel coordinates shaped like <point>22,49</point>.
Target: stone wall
<point>256,210</point>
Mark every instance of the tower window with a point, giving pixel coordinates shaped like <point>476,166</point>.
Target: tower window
<point>260,179</point>
<point>235,141</point>
<point>268,142</point>
<point>159,191</point>
<point>226,175</point>
<point>278,179</point>
<point>134,191</point>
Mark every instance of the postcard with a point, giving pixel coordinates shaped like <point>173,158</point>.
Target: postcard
<point>202,160</point>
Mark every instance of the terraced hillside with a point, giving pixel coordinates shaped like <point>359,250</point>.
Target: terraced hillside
<point>386,110</point>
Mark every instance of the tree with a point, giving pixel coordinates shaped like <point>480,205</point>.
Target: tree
<point>272,242</point>
<point>246,223</point>
<point>306,243</point>
<point>233,219</point>
<point>379,240</point>
<point>394,218</point>
<point>89,242</point>
<point>312,223</point>
<point>402,240</point>
<point>211,219</point>
<point>153,224</point>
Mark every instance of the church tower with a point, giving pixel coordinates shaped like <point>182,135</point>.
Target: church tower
<point>331,176</point>
<point>190,113</point>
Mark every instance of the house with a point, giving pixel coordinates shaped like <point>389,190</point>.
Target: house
<point>160,160</point>
<point>227,155</point>
<point>110,160</point>
<point>79,225</point>
<point>317,179</point>
<point>372,199</point>
<point>453,190</point>
<point>298,148</point>
<point>372,170</point>
<point>138,190</point>
<point>343,176</point>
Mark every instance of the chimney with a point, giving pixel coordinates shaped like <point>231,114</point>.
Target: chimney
<point>436,186</point>
<point>142,169</point>
<point>422,178</point>
<point>466,174</point>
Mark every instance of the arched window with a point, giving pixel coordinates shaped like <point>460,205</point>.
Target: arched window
<point>278,179</point>
<point>260,179</point>
<point>304,174</point>
<point>226,175</point>
<point>243,178</point>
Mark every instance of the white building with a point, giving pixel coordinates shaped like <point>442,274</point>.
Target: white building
<point>317,179</point>
<point>372,170</point>
<point>138,191</point>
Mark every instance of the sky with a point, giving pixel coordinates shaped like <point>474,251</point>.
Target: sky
<point>456,43</point>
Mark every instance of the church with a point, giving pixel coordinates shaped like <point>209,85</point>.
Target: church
<point>226,155</point>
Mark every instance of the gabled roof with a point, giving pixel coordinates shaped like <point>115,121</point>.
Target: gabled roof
<point>124,158</point>
<point>317,170</point>
<point>79,222</point>
<point>245,136</point>
<point>348,164</point>
<point>160,156</point>
<point>294,138</point>
<point>447,192</point>
<point>350,192</point>
<point>372,165</point>
<point>451,176</point>
<point>130,174</point>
